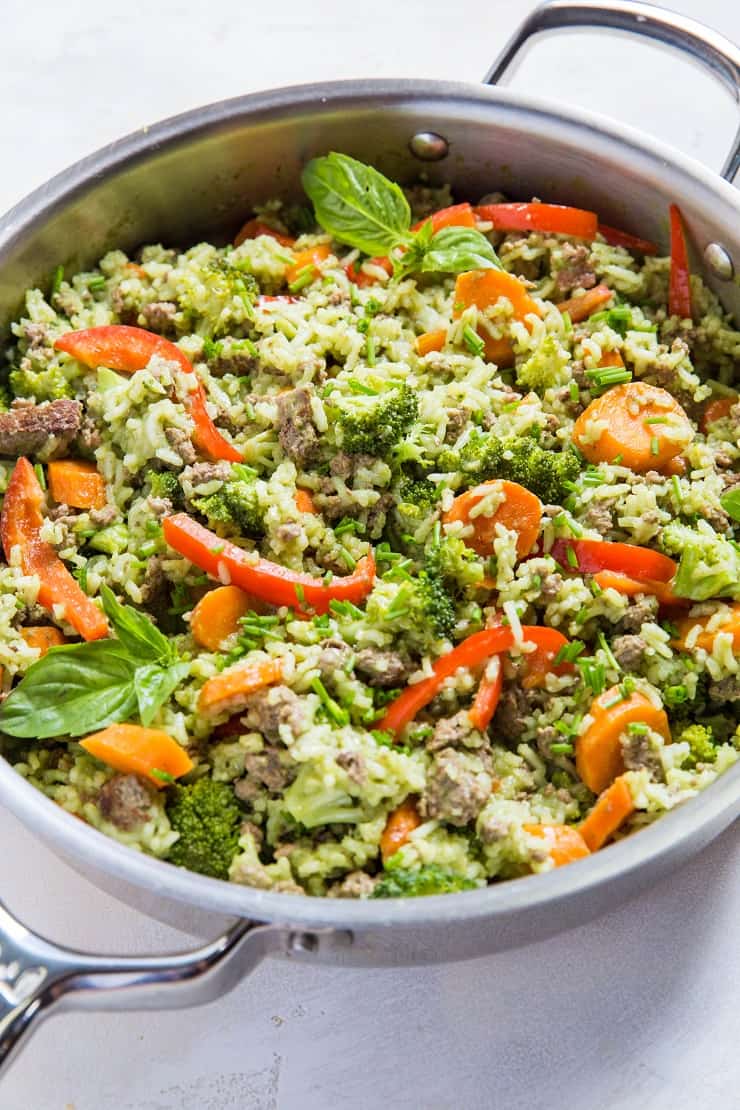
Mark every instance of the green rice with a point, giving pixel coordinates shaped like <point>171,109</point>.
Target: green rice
<point>316,792</point>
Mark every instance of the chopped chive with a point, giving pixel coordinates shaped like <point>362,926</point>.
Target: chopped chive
<point>571,557</point>
<point>473,341</point>
<point>511,406</point>
<point>39,472</point>
<point>654,446</point>
<point>617,460</point>
<point>96,283</point>
<point>300,593</point>
<point>162,776</point>
<point>328,578</point>
<point>676,489</point>
<point>370,351</point>
<point>305,276</point>
<point>56,280</point>
<point>607,376</point>
<point>360,387</point>
<point>562,748</point>
<point>346,524</point>
<point>656,420</point>
<point>604,645</point>
<point>349,561</point>
<point>569,652</point>
<point>148,549</point>
<point>637,728</point>
<point>334,711</point>
<point>218,550</point>
<point>575,392</point>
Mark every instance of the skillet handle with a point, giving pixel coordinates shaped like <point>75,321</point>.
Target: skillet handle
<point>713,51</point>
<point>38,976</point>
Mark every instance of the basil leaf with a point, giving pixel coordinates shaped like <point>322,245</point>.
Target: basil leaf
<point>136,632</point>
<point>454,250</point>
<point>730,502</point>
<point>356,204</point>
<point>71,691</point>
<point>154,685</point>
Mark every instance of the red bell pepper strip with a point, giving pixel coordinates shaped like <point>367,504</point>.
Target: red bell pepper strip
<point>252,229</point>
<point>473,651</point>
<point>679,286</point>
<point>457,215</point>
<point>625,558</point>
<point>361,279</point>
<point>540,663</point>
<point>129,349</point>
<point>20,527</point>
<point>487,698</point>
<point>617,238</point>
<point>261,578</point>
<point>555,219</point>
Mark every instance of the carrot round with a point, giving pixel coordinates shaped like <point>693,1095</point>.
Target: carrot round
<point>519,510</point>
<point>225,691</point>
<point>716,410</point>
<point>580,308</point>
<point>611,358</point>
<point>252,229</point>
<point>553,219</point>
<point>612,808</point>
<point>398,828</point>
<point>706,638</point>
<point>640,425</point>
<point>599,751</point>
<point>564,843</point>
<point>488,696</point>
<point>135,750</point>
<point>76,483</point>
<point>484,288</point>
<point>20,526</point>
<point>307,264</point>
<point>43,637</point>
<point>430,341</point>
<point>217,615</point>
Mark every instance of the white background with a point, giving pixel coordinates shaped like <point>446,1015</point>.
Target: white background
<point>637,1010</point>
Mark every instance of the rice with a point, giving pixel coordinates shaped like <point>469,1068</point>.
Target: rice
<point>314,761</point>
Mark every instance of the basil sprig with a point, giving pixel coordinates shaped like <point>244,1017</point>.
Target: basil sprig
<point>357,205</point>
<point>77,688</point>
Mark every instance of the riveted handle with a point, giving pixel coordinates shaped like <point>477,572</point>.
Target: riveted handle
<point>38,976</point>
<point>711,50</point>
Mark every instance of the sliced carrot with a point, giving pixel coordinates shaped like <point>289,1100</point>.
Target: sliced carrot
<point>564,843</point>
<point>484,288</point>
<point>304,502</point>
<point>217,615</point>
<point>488,695</point>
<point>617,238</point>
<point>640,425</point>
<point>252,229</point>
<point>613,806</point>
<point>716,410</point>
<point>43,637</point>
<point>580,308</point>
<point>135,268</point>
<point>519,510</point>
<point>631,587</point>
<point>599,750</point>
<point>430,341</point>
<point>227,690</point>
<point>77,484</point>
<point>307,262</point>
<point>706,638</point>
<point>611,358</point>
<point>135,750</point>
<point>398,828</point>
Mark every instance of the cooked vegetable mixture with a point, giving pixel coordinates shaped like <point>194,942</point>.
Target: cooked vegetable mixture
<point>390,551</point>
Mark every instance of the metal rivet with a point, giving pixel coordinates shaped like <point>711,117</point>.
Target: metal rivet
<point>427,146</point>
<point>719,261</point>
<point>303,942</point>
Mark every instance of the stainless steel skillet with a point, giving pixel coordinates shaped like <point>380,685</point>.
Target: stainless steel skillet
<point>194,176</point>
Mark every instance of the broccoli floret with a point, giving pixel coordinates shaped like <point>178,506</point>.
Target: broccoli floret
<point>520,459</point>
<point>544,369</point>
<point>401,882</point>
<point>376,425</point>
<point>237,505</point>
<point>164,483</point>
<point>419,493</point>
<point>310,801</point>
<point>208,818</point>
<point>701,742</point>
<point>436,602</point>
<point>709,564</point>
<point>42,385</point>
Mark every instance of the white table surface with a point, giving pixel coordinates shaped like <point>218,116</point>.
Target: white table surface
<point>636,1010</point>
